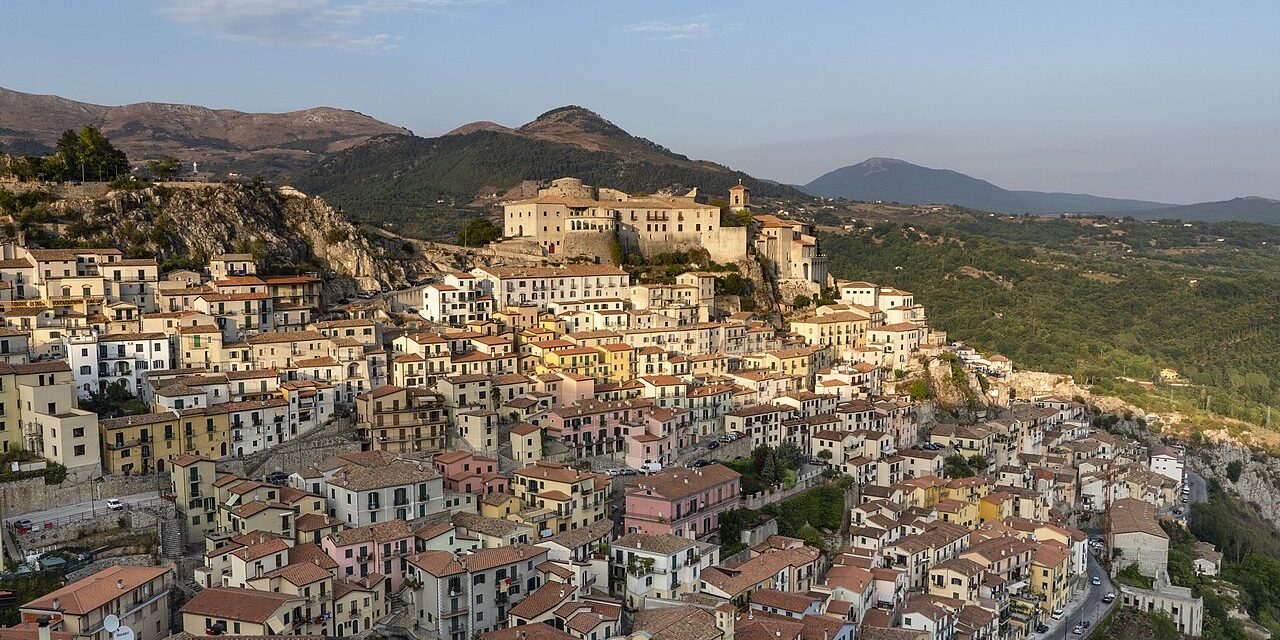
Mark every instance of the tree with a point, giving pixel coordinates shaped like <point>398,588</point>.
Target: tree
<point>164,168</point>
<point>479,232</point>
<point>801,301</point>
<point>113,401</point>
<point>1234,469</point>
<point>977,463</point>
<point>789,455</point>
<point>825,455</point>
<point>770,474</point>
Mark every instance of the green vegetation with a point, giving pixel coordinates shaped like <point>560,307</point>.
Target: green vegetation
<point>416,185</point>
<point>25,589</point>
<point>1110,305</point>
<point>813,514</point>
<point>113,401</point>
<point>801,301</point>
<point>82,155</point>
<point>1234,469</point>
<point>768,467</point>
<point>1130,576</point>
<point>479,232</point>
<point>958,466</point>
<point>1250,549</point>
<point>164,168</point>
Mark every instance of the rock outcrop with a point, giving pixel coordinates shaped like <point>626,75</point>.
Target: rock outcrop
<point>285,229</point>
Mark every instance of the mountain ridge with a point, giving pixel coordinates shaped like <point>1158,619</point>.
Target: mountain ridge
<point>897,180</point>
<point>221,140</point>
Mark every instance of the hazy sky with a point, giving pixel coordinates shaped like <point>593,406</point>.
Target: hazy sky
<point>1172,101</point>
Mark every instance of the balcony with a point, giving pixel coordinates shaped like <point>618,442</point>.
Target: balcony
<point>454,613</point>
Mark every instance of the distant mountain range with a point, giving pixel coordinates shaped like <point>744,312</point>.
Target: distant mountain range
<point>899,181</point>
<point>483,160</point>
<point>220,140</point>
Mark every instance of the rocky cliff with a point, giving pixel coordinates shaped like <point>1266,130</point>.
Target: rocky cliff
<point>186,223</point>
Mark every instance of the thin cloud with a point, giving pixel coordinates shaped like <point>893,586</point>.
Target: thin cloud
<point>319,23</point>
<point>695,29</point>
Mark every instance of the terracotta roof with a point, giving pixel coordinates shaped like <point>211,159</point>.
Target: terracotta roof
<point>443,563</point>
<point>680,482</point>
<point>663,544</point>
<point>231,603</point>
<point>677,623</point>
<point>300,573</point>
<point>544,599</point>
<point>1130,515</point>
<point>535,631</point>
<point>377,532</point>
<point>92,592</point>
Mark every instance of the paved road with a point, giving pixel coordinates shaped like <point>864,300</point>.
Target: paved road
<point>1199,490</point>
<point>83,508</point>
<point>1084,605</point>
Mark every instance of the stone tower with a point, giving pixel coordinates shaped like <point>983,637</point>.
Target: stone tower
<point>739,197</point>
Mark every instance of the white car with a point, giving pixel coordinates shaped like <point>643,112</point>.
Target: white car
<point>115,504</point>
<point>1057,614</point>
<point>1096,581</point>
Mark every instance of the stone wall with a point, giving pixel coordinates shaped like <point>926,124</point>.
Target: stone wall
<point>33,495</point>
<point>333,439</point>
<point>132,560</point>
<point>135,521</point>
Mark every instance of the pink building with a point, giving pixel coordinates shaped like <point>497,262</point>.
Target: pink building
<point>374,548</point>
<point>595,427</point>
<point>684,502</point>
<point>466,472</point>
<point>566,387</point>
<point>652,438</point>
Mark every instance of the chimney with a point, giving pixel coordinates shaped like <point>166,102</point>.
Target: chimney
<point>119,584</point>
<point>43,623</point>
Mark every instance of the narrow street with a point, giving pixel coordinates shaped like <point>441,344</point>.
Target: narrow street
<point>1084,605</point>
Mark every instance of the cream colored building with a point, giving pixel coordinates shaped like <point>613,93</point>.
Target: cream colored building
<point>138,596</point>
<point>49,420</point>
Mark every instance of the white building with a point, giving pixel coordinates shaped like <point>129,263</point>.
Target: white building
<point>377,489</point>
<point>1167,462</point>
<point>457,300</point>
<point>660,566</point>
<point>101,360</point>
<point>540,286</point>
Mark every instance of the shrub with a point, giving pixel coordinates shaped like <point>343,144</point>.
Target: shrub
<point>1234,469</point>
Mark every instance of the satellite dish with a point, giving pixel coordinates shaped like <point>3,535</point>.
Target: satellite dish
<point>111,623</point>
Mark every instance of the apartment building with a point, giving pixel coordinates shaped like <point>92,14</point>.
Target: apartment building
<point>470,593</point>
<point>375,486</point>
<point>191,485</point>
<point>457,299</point>
<point>682,502</point>
<point>560,498</point>
<point>662,566</point>
<point>399,419</point>
<point>542,285</point>
<point>48,418</point>
<point>138,596</point>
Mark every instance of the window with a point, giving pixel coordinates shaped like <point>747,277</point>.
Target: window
<point>79,450</point>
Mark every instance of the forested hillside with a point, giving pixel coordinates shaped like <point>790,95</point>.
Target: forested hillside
<point>1101,299</point>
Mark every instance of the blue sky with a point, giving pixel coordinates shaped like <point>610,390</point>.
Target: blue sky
<point>1172,101</point>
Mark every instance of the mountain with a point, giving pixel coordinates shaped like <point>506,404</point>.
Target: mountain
<point>220,140</point>
<point>899,181</point>
<point>390,177</point>
<point>1246,209</point>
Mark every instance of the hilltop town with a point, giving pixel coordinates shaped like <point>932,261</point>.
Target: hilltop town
<point>552,441</point>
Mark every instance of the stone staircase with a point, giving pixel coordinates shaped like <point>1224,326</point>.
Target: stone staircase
<point>171,545</point>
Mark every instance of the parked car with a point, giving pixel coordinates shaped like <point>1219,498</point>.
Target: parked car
<point>1095,581</point>
<point>1085,623</point>
<point>276,478</point>
<point>1109,598</point>
<point>702,463</point>
<point>713,445</point>
<point>1042,628</point>
<point>24,525</point>
<point>626,472</point>
<point>651,467</point>
<point>1078,630</point>
<point>115,504</point>
<point>1057,614</point>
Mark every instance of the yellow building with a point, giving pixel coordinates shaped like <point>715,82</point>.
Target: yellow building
<point>191,483</point>
<point>10,431</point>
<point>995,506</point>
<point>141,444</point>
<point>842,332</point>
<point>1050,574</point>
<point>51,424</point>
<point>618,361</point>
<point>958,512</point>
<point>584,361</point>
<point>957,578</point>
<point>561,498</point>
<point>526,443</point>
